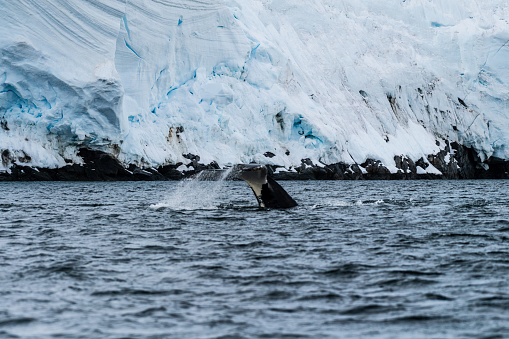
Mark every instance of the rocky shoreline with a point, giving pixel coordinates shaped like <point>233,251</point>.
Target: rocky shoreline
<point>101,166</point>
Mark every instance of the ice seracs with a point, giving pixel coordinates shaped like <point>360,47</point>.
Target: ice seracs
<point>232,80</point>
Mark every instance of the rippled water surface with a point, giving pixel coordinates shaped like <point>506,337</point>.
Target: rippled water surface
<point>369,259</point>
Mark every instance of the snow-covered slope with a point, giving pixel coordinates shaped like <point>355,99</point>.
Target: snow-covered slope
<point>229,80</point>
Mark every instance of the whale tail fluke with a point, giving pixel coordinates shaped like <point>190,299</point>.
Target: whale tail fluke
<point>275,196</point>
<point>267,191</point>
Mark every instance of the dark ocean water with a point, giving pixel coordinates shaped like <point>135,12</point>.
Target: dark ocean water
<point>365,259</point>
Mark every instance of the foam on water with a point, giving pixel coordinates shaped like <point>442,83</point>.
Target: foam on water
<point>203,192</point>
<point>343,203</point>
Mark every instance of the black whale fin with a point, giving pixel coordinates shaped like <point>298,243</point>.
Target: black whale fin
<point>274,196</point>
<point>266,190</point>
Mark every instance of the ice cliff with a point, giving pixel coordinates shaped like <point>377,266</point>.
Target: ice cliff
<point>236,80</point>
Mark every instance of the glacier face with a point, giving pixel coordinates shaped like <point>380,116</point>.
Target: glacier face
<point>229,80</point>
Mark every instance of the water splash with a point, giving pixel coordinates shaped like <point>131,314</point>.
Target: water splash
<point>203,192</point>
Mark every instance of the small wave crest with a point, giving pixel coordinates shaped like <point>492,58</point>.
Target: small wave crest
<point>343,203</point>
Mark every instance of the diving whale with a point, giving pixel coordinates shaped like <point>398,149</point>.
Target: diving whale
<point>267,191</point>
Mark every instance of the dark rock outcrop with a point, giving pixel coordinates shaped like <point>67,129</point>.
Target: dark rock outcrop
<point>376,170</point>
<point>460,162</point>
<point>406,166</point>
<point>498,169</point>
<point>455,161</point>
<point>103,166</point>
<point>170,172</point>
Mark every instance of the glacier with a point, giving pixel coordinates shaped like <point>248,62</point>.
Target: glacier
<point>151,81</point>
